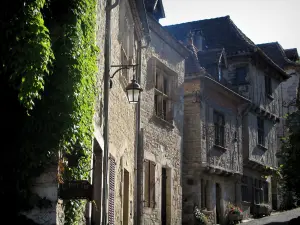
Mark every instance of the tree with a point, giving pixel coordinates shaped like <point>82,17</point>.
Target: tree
<point>290,153</point>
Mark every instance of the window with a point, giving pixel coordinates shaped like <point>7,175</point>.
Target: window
<point>162,101</point>
<point>219,124</point>
<point>240,75</point>
<point>244,189</point>
<point>149,183</point>
<point>260,131</point>
<point>268,85</point>
<point>126,36</point>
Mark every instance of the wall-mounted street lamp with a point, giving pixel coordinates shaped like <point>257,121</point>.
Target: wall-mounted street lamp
<point>133,89</point>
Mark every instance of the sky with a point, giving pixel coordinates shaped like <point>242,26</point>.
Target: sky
<point>261,20</point>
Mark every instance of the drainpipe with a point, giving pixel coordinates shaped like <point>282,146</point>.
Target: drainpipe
<point>107,59</point>
<point>139,151</point>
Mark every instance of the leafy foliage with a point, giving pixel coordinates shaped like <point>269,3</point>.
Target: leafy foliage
<point>290,155</point>
<point>49,67</point>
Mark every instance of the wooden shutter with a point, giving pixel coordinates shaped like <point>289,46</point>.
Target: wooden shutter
<point>152,184</point>
<point>146,183</point>
<point>111,197</point>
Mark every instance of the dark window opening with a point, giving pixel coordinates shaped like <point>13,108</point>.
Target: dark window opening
<point>219,124</point>
<point>268,85</point>
<point>240,75</point>
<point>260,131</point>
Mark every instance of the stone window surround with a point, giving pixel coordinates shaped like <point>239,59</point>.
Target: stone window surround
<point>172,79</point>
<point>126,37</point>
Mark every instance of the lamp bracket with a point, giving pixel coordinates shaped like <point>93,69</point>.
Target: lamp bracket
<point>122,67</point>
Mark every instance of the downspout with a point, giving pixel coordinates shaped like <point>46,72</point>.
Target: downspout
<point>139,151</point>
<point>107,61</point>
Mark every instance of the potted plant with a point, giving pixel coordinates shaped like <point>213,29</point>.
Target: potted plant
<point>200,218</point>
<point>263,209</point>
<point>235,214</point>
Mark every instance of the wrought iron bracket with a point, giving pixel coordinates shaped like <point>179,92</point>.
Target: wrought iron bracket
<point>122,67</point>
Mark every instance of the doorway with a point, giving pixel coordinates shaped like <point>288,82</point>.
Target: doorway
<point>218,203</point>
<point>126,198</point>
<point>164,196</point>
<point>97,183</point>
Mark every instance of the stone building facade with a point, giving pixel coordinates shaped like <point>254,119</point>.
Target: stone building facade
<point>146,135</point>
<point>126,32</point>
<point>162,126</point>
<point>287,60</point>
<point>250,72</point>
<point>212,158</point>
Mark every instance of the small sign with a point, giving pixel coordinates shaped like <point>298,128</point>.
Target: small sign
<point>79,189</point>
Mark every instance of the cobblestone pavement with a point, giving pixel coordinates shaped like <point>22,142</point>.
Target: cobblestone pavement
<point>280,218</point>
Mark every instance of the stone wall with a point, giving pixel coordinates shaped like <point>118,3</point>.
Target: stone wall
<point>199,183</point>
<point>46,187</point>
<point>122,116</point>
<point>162,140</point>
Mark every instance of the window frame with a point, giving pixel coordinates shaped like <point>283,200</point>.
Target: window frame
<point>162,95</point>
<point>241,81</point>
<point>127,37</point>
<point>268,86</point>
<point>245,189</point>
<point>219,128</point>
<point>260,131</point>
<point>149,183</point>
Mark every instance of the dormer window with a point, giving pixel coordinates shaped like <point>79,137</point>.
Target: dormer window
<point>240,75</point>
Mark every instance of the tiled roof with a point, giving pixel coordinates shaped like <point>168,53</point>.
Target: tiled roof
<point>276,53</point>
<point>218,33</point>
<point>292,54</point>
<point>221,33</point>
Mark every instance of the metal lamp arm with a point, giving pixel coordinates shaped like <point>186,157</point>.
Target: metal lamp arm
<point>121,67</point>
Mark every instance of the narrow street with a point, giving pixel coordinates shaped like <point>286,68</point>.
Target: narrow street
<point>281,218</point>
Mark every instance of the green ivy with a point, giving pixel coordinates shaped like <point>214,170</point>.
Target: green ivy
<point>49,65</point>
<point>77,47</point>
<point>32,54</point>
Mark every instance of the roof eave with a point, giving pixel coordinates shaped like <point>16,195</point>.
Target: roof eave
<point>278,68</point>
<point>233,93</point>
<point>161,32</point>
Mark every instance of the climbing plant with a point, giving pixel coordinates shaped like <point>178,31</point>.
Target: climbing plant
<point>48,75</point>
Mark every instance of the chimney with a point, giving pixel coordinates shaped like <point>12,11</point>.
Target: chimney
<point>198,40</point>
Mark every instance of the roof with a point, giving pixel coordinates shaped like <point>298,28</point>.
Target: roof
<point>218,33</point>
<point>276,53</point>
<point>292,54</point>
<point>157,28</point>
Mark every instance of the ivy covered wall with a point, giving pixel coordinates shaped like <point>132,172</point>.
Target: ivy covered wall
<point>48,69</point>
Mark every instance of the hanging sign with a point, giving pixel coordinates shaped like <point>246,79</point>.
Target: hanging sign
<point>79,189</point>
